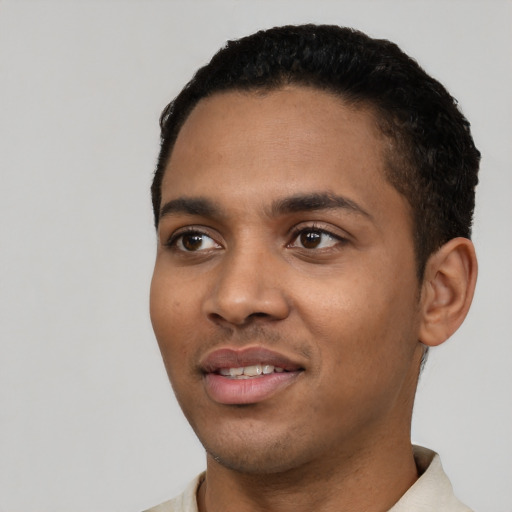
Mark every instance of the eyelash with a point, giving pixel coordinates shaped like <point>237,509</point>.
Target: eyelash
<point>314,228</point>
<point>295,233</point>
<point>190,230</point>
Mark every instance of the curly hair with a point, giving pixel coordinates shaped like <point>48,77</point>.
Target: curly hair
<point>431,159</point>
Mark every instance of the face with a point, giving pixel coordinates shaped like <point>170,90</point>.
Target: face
<point>284,297</point>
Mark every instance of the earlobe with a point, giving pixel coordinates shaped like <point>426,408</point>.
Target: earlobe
<point>447,290</point>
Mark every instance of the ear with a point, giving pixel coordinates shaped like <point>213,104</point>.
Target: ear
<point>447,290</point>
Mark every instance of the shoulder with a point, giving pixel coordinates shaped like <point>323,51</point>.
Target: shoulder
<point>432,491</point>
<point>185,502</point>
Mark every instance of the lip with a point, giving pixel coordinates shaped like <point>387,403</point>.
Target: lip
<point>235,358</point>
<point>225,390</point>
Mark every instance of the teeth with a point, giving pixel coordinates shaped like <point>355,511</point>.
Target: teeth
<point>268,368</point>
<point>253,371</point>
<point>231,372</point>
<point>250,371</point>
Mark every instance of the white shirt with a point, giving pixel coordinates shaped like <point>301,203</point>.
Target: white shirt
<point>432,492</point>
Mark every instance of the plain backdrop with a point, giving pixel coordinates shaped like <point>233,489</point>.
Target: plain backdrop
<point>88,421</point>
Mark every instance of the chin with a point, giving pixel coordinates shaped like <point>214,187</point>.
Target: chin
<point>254,463</point>
<point>257,453</point>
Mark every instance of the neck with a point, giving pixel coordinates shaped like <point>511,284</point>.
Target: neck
<point>369,480</point>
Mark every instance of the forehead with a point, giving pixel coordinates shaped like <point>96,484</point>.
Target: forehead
<point>283,142</point>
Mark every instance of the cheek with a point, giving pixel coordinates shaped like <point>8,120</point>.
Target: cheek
<point>170,307</point>
<point>361,319</point>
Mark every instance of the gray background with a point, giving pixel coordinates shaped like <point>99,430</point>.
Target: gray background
<point>88,421</point>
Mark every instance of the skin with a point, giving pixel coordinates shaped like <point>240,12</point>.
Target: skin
<point>348,308</point>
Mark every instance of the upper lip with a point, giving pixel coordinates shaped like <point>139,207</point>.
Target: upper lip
<point>236,358</point>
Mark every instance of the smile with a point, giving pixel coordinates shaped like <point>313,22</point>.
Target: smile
<point>249,372</point>
<point>247,376</point>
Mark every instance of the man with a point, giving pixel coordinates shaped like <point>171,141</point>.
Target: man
<point>313,199</point>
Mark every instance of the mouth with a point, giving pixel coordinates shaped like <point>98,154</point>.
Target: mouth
<point>250,372</point>
<point>248,376</point>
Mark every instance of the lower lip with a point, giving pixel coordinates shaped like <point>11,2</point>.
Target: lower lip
<point>225,390</point>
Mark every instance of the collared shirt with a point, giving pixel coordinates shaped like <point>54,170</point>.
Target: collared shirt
<point>432,492</point>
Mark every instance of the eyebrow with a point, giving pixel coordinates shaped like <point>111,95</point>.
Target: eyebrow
<point>203,207</point>
<point>199,206</point>
<point>314,202</point>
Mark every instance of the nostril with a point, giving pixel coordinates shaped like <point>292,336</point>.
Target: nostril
<point>241,320</point>
<point>216,317</point>
<point>259,315</point>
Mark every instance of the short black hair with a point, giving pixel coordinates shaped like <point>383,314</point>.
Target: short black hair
<point>432,159</point>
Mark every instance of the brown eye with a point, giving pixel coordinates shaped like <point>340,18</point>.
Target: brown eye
<point>313,238</point>
<point>310,239</point>
<point>193,241</point>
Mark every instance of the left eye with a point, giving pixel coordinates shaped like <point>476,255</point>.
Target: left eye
<point>314,239</point>
<point>194,241</point>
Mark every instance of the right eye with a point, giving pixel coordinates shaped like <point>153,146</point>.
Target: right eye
<point>193,241</point>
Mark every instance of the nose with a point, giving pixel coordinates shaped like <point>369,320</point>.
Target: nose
<point>245,287</point>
